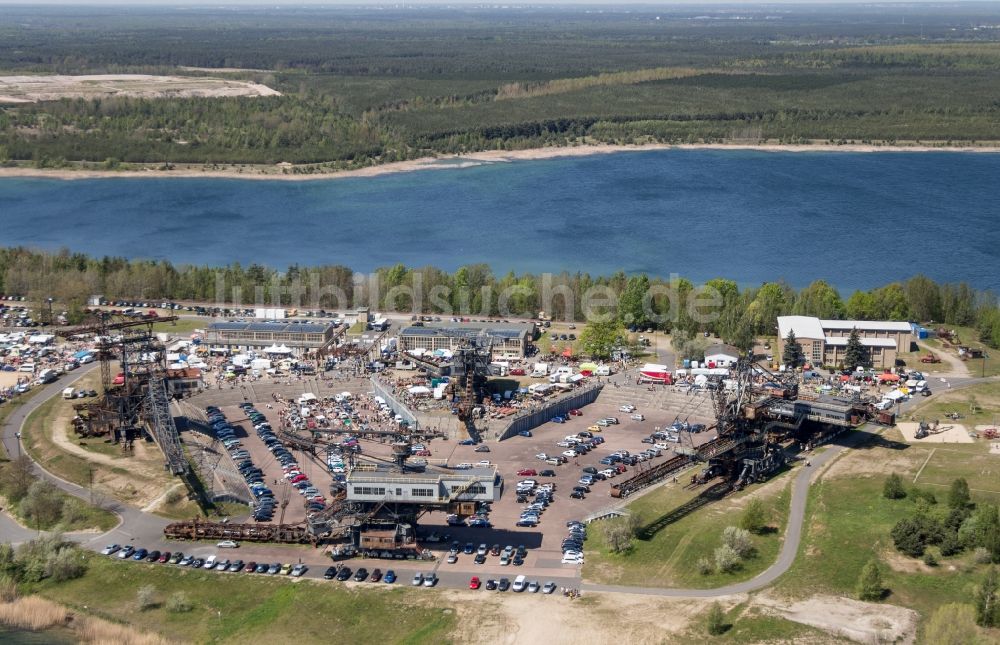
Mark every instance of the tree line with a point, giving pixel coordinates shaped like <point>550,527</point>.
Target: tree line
<point>737,314</point>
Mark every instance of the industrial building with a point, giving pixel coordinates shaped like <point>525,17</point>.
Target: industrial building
<point>824,342</point>
<point>296,338</point>
<point>386,484</point>
<point>508,341</point>
<point>721,355</point>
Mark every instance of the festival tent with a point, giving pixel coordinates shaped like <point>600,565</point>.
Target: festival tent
<point>888,378</point>
<point>419,390</point>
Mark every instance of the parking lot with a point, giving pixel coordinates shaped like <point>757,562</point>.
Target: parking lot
<point>543,561</point>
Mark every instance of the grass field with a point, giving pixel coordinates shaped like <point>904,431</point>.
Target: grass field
<point>848,523</point>
<point>978,405</point>
<point>669,557</point>
<point>245,609</point>
<point>94,462</point>
<point>180,327</point>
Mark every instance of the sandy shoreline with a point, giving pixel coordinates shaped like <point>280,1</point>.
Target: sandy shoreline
<point>445,162</point>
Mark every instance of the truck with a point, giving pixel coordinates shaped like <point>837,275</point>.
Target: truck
<point>47,376</point>
<point>929,358</point>
<point>68,393</point>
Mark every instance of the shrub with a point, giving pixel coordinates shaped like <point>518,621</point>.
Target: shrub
<point>950,544</point>
<point>179,603</point>
<point>66,564</point>
<point>930,560</point>
<point>958,494</point>
<point>870,585</point>
<point>716,621</point>
<point>705,566</point>
<point>146,597</point>
<point>174,496</point>
<point>893,488</point>
<point>726,559</point>
<point>981,555</point>
<point>987,612</point>
<point>952,623</point>
<point>738,540</point>
<point>753,519</point>
<point>908,537</point>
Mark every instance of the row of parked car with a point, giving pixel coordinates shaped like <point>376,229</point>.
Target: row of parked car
<point>572,544</point>
<point>212,562</point>
<point>343,573</point>
<point>521,583</point>
<point>508,555</point>
<point>543,496</point>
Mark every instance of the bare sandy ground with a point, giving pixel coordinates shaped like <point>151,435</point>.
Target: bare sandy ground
<point>9,379</point>
<point>29,89</point>
<point>955,433</point>
<point>863,622</point>
<point>243,171</point>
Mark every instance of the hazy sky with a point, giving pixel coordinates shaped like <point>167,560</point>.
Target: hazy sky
<point>299,3</point>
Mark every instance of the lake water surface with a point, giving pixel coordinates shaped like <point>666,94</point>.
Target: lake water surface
<point>856,219</point>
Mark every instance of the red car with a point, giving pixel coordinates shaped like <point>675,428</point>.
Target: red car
<point>621,468</point>
<point>164,557</point>
<point>298,478</point>
<point>517,371</point>
<point>474,583</point>
<point>526,472</point>
<point>575,413</point>
<point>423,453</point>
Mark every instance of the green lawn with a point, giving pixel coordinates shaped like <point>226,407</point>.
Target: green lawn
<point>669,558</point>
<point>256,609</point>
<point>969,337</point>
<point>978,405</point>
<point>181,327</point>
<point>848,523</point>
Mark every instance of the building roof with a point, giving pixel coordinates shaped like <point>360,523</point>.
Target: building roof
<point>811,327</point>
<point>803,326</point>
<point>841,341</point>
<point>723,349</point>
<point>386,472</point>
<point>868,325</point>
<point>283,326</point>
<point>469,330</point>
<point>186,373</point>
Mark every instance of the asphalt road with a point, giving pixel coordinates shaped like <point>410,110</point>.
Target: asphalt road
<point>146,529</point>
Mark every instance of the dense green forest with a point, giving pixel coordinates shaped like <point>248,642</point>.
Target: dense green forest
<point>372,86</point>
<point>740,314</point>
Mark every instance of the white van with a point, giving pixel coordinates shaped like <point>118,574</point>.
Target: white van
<point>520,583</point>
<point>27,367</point>
<point>68,393</point>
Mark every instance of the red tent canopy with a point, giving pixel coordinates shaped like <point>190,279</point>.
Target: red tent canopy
<point>888,377</point>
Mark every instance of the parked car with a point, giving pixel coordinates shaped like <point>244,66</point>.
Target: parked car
<point>228,544</point>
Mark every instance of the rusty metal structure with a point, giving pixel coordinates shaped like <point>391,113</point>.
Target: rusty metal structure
<point>136,399</point>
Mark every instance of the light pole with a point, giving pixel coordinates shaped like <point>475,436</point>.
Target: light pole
<point>49,300</point>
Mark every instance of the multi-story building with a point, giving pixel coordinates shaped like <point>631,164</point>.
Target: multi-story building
<point>508,341</point>
<point>824,342</point>
<point>242,336</point>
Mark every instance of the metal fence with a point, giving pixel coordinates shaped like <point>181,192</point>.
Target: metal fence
<point>395,404</point>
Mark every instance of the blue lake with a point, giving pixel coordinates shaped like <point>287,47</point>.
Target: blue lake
<point>857,220</point>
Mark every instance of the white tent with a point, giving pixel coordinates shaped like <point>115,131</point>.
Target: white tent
<point>275,349</point>
<point>419,390</point>
<point>308,396</point>
<point>700,380</point>
<point>895,395</point>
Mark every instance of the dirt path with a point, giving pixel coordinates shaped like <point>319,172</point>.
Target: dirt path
<point>957,367</point>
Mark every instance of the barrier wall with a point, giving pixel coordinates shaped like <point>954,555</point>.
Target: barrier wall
<point>556,407</point>
<point>394,404</point>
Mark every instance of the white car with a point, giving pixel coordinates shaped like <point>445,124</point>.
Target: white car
<point>638,417</point>
<point>609,472</point>
<point>430,580</point>
<point>541,456</point>
<point>486,463</point>
<point>572,560</point>
<point>463,466</point>
<point>569,454</point>
<point>209,562</point>
<point>228,544</point>
<point>563,444</point>
<point>418,579</point>
<point>628,408</point>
